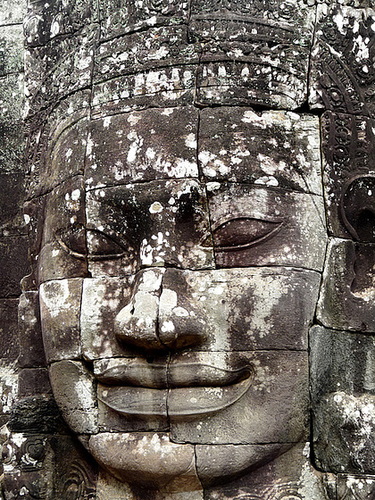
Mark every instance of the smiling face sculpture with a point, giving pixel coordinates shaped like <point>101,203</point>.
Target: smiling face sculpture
<point>181,254</point>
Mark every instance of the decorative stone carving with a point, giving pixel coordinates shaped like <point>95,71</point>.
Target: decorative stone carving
<point>190,163</point>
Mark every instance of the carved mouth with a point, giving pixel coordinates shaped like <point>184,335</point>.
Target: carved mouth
<point>190,390</point>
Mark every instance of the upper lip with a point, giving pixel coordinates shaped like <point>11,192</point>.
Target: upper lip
<point>134,372</point>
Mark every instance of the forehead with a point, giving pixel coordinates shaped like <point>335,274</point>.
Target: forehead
<point>227,144</point>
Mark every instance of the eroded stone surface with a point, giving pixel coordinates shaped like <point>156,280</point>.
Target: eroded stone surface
<point>239,145</point>
<point>342,387</point>
<point>60,303</point>
<point>75,394</point>
<point>342,69</point>
<point>273,409</point>
<point>346,299</point>
<point>348,149</point>
<point>141,146</point>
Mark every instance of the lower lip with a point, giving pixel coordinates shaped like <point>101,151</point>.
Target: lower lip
<point>185,402</point>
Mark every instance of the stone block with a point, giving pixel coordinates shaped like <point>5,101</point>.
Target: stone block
<point>343,433</point>
<point>126,17</point>
<point>151,49</point>
<point>8,389</point>
<point>259,232</point>
<point>11,49</point>
<point>56,70</point>
<point>30,333</point>
<point>148,224</point>
<point>165,87</point>
<point>342,73</point>
<point>33,382</point>
<point>342,390</point>
<point>12,11</point>
<point>46,21</point>
<point>13,263</point>
<point>147,458</point>
<point>36,414</point>
<point>60,303</point>
<point>9,349</point>
<point>270,406</point>
<point>143,146</point>
<point>28,471</point>
<point>360,487</point>
<point>11,129</point>
<point>341,361</point>
<point>348,148</point>
<point>132,409</point>
<point>272,148</point>
<point>289,475</point>
<point>244,308</point>
<point>74,471</point>
<point>242,65</point>
<point>346,296</point>
<point>102,300</point>
<point>11,198</point>
<point>75,394</point>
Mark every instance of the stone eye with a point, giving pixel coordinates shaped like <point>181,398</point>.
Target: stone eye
<point>243,232</point>
<point>99,245</point>
<point>102,246</point>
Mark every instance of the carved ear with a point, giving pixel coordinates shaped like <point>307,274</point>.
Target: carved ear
<point>358,208</point>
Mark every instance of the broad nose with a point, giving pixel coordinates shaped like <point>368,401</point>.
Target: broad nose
<point>161,314</point>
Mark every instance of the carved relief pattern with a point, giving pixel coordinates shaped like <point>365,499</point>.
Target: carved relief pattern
<point>200,191</point>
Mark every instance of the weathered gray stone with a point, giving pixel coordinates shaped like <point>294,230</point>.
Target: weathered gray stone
<point>164,87</point>
<point>260,233</point>
<point>344,432</point>
<point>60,303</point>
<point>342,390</point>
<point>11,136</point>
<point>32,381</point>
<point>341,361</point>
<point>288,476</point>
<point>12,11</point>
<point>348,148</point>
<point>151,49</point>
<point>75,394</point>
<point>141,146</point>
<point>242,63</point>
<point>269,407</point>
<point>240,145</point>
<point>239,307</point>
<point>102,300</point>
<point>356,486</point>
<point>148,224</point>
<point>36,414</point>
<point>30,332</point>
<point>63,252</point>
<point>127,456</point>
<point>342,72</point>
<point>346,298</point>
<point>132,409</point>
<point>46,21</point>
<point>11,49</point>
<point>125,16</point>
<point>58,69</point>
<point>13,263</point>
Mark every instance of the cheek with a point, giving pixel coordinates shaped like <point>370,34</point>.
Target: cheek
<point>255,308</point>
<point>60,306</point>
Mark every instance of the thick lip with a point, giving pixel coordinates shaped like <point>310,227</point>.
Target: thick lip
<point>191,390</point>
<point>156,375</point>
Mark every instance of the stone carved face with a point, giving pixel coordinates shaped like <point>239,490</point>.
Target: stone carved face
<point>175,311</point>
<point>183,243</point>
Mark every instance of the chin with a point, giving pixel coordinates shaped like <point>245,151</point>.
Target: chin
<point>150,460</point>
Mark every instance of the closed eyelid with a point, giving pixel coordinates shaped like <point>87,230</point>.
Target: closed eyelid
<point>238,233</point>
